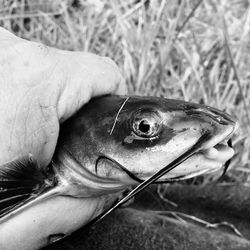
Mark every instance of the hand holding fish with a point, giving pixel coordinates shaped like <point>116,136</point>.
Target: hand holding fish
<point>40,87</point>
<point>111,143</point>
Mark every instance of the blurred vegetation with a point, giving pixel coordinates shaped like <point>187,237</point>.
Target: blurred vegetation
<point>198,51</point>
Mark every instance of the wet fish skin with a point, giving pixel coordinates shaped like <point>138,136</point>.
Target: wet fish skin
<point>103,149</point>
<point>88,134</point>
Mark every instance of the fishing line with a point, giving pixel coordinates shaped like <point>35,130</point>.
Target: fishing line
<point>116,117</point>
<point>153,178</point>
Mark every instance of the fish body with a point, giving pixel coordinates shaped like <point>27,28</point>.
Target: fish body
<point>113,142</point>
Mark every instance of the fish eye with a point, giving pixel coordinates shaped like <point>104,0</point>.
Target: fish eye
<point>146,125</point>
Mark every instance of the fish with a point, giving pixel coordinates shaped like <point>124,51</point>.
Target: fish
<point>110,144</point>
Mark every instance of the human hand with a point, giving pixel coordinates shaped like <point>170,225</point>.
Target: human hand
<point>40,87</point>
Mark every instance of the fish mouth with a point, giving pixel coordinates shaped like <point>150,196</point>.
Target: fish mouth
<point>214,154</point>
<point>214,158</point>
<point>220,152</point>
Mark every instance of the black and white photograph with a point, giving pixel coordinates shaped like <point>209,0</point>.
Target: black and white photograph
<point>124,125</point>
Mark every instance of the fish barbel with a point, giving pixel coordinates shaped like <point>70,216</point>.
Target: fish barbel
<point>111,143</point>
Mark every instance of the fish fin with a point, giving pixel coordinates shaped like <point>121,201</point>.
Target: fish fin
<point>20,182</point>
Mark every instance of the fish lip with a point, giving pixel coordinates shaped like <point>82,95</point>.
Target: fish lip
<point>229,130</point>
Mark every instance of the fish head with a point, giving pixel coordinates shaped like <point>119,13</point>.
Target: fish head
<point>131,138</point>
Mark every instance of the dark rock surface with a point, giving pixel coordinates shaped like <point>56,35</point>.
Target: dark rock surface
<point>142,228</point>
<point>134,229</point>
<point>214,203</point>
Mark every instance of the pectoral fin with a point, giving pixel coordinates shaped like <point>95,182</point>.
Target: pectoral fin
<point>21,183</point>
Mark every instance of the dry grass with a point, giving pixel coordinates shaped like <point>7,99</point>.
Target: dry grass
<point>193,50</point>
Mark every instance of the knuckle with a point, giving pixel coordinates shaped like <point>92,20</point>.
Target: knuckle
<point>111,64</point>
<point>108,60</point>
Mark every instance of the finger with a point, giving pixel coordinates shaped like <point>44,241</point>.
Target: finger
<point>7,37</point>
<point>113,86</point>
<point>86,75</point>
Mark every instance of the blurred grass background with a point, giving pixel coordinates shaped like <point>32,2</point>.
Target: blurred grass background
<point>198,51</point>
